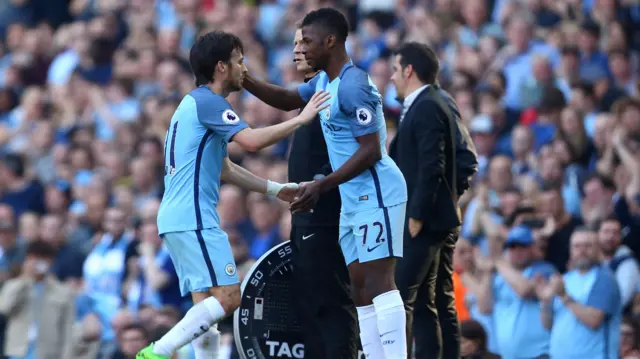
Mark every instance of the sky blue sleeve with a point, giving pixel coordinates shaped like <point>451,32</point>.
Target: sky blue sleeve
<point>359,101</point>
<point>307,89</point>
<point>604,294</point>
<point>216,114</point>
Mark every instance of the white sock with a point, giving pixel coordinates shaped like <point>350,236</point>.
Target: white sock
<point>206,346</point>
<point>392,322</point>
<point>369,335</point>
<point>198,320</point>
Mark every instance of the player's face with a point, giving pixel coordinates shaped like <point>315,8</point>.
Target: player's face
<point>314,47</point>
<point>236,71</point>
<point>298,56</point>
<point>398,78</point>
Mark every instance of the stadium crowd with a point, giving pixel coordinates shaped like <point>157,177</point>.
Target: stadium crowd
<point>549,90</point>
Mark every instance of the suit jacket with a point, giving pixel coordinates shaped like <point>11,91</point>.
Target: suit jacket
<point>56,320</point>
<point>424,150</point>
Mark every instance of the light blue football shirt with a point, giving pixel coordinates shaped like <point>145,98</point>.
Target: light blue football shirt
<point>356,110</point>
<point>570,338</point>
<point>195,146</point>
<point>518,328</point>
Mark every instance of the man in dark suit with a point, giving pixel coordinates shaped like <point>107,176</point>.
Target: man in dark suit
<point>434,151</point>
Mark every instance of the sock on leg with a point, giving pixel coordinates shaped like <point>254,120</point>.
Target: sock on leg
<point>195,323</point>
<point>392,322</point>
<point>206,346</point>
<point>369,335</point>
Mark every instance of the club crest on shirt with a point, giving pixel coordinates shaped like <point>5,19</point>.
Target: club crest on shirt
<point>364,116</point>
<point>327,113</point>
<point>230,269</point>
<point>230,117</point>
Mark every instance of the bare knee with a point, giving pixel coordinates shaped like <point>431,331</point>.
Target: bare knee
<point>371,279</point>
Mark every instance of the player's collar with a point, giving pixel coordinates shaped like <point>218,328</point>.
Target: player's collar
<point>345,68</point>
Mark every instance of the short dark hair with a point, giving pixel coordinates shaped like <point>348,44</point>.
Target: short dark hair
<point>41,249</point>
<point>422,58</point>
<point>473,330</point>
<point>330,19</point>
<point>552,100</point>
<point>606,182</point>
<point>584,86</point>
<point>208,50</point>
<point>15,163</point>
<point>620,52</point>
<point>610,218</point>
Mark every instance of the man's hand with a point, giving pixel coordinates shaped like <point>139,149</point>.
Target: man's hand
<point>557,285</point>
<point>307,197</point>
<point>288,192</point>
<point>415,226</point>
<point>317,103</point>
<point>146,249</point>
<point>544,290</point>
<point>483,264</point>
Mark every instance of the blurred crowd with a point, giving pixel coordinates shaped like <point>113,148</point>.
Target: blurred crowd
<point>549,90</point>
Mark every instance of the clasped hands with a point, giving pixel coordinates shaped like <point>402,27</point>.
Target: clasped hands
<point>302,197</point>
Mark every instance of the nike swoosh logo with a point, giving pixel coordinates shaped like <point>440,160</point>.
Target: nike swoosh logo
<point>307,237</point>
<point>383,334</point>
<point>372,249</point>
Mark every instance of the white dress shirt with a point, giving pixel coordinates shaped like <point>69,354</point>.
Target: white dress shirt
<point>408,101</point>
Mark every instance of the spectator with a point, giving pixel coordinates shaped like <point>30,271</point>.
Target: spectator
<point>264,213</point>
<point>154,282</point>
<point>105,269</point>
<point>620,260</point>
<point>19,191</point>
<point>467,282</point>
<point>68,262</point>
<point>559,226</point>
<point>233,213</point>
<point>510,297</point>
<point>132,339</point>
<point>473,344</point>
<point>584,302</point>
<point>629,339</point>
<point>38,297</point>
<point>12,251</point>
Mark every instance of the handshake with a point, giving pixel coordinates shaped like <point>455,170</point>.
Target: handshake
<point>302,197</point>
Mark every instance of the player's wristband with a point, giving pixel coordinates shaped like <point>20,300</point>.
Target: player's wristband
<point>273,188</point>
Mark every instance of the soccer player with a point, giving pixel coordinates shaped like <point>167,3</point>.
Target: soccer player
<point>372,188</point>
<point>320,275</point>
<point>195,162</point>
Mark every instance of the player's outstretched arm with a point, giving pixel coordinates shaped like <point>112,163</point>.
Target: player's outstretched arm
<point>273,95</point>
<point>239,176</point>
<point>256,139</point>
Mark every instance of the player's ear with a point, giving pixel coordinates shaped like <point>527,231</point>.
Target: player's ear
<point>221,66</point>
<point>330,41</point>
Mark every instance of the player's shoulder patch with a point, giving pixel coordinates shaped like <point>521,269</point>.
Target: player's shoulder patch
<point>230,117</point>
<point>364,116</point>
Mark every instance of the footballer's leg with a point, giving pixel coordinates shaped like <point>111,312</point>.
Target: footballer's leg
<point>379,237</point>
<point>367,318</point>
<point>206,269</point>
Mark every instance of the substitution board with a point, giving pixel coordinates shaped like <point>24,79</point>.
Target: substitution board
<point>266,324</point>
